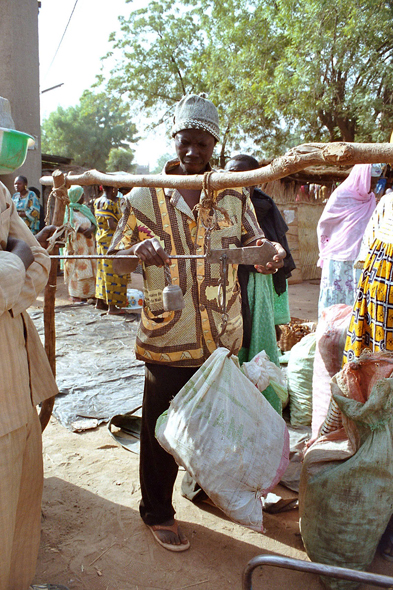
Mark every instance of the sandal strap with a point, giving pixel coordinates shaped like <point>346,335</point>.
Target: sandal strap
<point>173,528</point>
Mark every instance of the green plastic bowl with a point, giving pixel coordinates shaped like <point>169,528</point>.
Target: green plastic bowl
<point>13,149</point>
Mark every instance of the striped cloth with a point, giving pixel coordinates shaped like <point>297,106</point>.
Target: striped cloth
<point>24,367</point>
<point>21,482</point>
<point>26,380</point>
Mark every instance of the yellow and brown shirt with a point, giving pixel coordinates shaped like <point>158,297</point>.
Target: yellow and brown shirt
<point>186,338</point>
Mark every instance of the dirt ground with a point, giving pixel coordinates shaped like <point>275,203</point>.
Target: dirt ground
<point>94,539</point>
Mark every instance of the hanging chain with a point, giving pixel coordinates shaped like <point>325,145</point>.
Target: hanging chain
<point>222,295</point>
<point>167,275</point>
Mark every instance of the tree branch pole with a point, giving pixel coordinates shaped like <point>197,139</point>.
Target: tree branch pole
<point>298,158</point>
<point>49,297</point>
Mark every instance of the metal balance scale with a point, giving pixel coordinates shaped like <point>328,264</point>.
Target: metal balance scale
<point>172,294</point>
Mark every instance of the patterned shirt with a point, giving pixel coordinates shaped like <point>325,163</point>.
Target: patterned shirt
<point>186,338</point>
<point>30,205</point>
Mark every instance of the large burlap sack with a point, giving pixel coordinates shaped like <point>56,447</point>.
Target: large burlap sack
<point>346,487</point>
<point>299,375</point>
<point>330,341</point>
<point>228,437</point>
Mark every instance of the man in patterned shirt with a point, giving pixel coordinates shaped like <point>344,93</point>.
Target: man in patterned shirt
<point>157,223</point>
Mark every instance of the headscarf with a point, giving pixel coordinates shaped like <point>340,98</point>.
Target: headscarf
<point>74,194</point>
<point>345,217</point>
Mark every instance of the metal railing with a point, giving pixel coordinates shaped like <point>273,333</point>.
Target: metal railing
<point>313,568</point>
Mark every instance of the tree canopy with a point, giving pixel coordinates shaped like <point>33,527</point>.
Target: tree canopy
<point>120,159</point>
<point>280,72</point>
<point>90,131</point>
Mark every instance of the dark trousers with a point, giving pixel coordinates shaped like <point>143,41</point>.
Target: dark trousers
<point>158,469</point>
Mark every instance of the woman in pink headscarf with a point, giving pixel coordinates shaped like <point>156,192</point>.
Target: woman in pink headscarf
<point>340,232</point>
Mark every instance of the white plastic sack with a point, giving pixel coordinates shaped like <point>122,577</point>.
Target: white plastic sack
<point>228,437</point>
<point>262,372</point>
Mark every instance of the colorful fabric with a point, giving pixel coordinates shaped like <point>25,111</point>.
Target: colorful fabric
<point>371,324</point>
<point>110,287</point>
<point>343,222</point>
<point>339,281</point>
<point>381,212</point>
<point>282,314</point>
<point>263,334</point>
<point>80,275</point>
<point>74,194</point>
<point>30,205</point>
<point>188,337</point>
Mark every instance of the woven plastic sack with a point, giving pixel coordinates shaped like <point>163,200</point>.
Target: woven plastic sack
<point>330,341</point>
<point>345,505</point>
<point>300,372</point>
<point>228,437</point>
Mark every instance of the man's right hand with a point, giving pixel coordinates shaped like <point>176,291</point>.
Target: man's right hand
<point>43,236</point>
<point>151,252</point>
<point>20,249</point>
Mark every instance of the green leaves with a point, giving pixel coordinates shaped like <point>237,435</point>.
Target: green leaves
<point>120,159</point>
<point>89,131</point>
<point>280,72</point>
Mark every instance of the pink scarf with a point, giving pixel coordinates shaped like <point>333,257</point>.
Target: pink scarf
<point>345,217</point>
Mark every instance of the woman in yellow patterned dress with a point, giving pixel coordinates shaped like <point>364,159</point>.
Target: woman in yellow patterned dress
<point>371,325</point>
<point>80,275</point>
<point>111,289</point>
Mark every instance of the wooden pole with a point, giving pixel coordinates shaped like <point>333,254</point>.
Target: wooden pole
<point>298,158</point>
<point>50,295</point>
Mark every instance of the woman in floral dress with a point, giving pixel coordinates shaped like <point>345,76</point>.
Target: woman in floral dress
<point>80,275</point>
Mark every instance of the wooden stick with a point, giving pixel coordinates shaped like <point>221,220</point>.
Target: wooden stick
<point>103,553</point>
<point>49,301</point>
<point>303,156</point>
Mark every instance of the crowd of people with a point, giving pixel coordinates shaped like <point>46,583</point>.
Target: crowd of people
<point>153,225</point>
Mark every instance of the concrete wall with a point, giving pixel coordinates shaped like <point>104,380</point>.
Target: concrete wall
<point>19,78</point>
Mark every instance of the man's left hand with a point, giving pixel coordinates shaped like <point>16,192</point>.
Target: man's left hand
<point>277,262</point>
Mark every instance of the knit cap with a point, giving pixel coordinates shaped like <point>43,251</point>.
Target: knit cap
<point>196,112</point>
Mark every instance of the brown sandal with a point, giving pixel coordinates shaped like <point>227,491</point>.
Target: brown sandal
<point>174,528</point>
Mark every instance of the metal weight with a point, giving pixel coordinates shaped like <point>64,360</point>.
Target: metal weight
<point>172,295</point>
<point>173,299</point>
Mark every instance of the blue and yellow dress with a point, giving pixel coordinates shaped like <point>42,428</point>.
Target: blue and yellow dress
<point>30,205</point>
